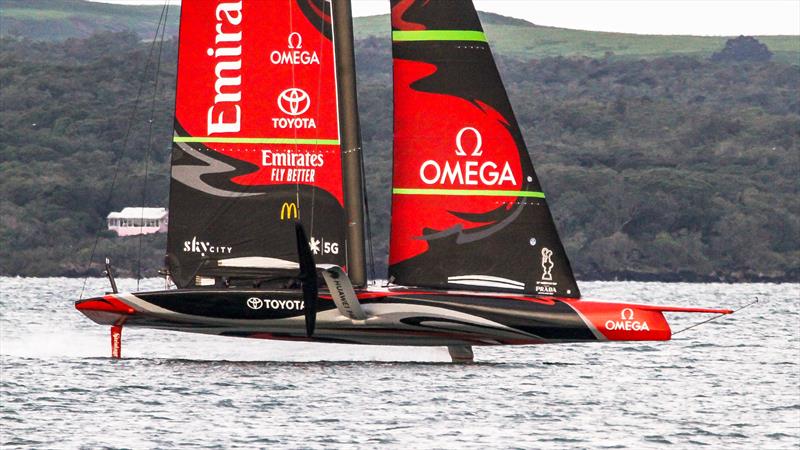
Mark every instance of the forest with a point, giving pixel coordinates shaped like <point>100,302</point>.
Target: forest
<point>675,168</point>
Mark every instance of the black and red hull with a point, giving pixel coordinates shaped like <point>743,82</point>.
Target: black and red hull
<point>394,317</point>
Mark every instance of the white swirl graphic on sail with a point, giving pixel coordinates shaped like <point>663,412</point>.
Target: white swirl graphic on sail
<point>191,176</point>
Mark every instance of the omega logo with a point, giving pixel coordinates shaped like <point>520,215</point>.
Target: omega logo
<point>627,314</point>
<point>295,41</point>
<point>627,322</point>
<point>460,142</point>
<point>466,171</point>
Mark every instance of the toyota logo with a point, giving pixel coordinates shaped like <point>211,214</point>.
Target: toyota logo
<point>294,101</point>
<point>255,303</point>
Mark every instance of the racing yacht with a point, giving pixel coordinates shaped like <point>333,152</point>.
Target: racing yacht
<point>267,216</point>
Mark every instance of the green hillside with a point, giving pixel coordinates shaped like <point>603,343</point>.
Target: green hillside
<point>676,168</point>
<point>659,163</point>
<point>53,20</point>
<point>524,40</point>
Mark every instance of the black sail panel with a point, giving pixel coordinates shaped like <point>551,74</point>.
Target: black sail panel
<point>468,211</point>
<point>256,141</point>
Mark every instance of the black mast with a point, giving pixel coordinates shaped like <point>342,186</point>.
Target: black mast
<point>350,140</point>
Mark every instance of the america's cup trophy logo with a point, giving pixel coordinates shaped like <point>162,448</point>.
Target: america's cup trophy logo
<point>294,101</point>
<point>547,264</point>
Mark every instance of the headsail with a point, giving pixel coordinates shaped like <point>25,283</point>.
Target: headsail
<point>256,143</point>
<point>468,211</point>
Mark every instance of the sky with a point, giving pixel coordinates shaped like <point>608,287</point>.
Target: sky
<point>695,17</point>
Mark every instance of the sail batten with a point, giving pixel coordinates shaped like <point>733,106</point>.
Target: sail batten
<point>467,205</point>
<point>468,192</point>
<point>438,35</point>
<point>247,140</point>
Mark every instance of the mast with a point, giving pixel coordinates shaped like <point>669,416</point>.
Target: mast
<point>350,139</point>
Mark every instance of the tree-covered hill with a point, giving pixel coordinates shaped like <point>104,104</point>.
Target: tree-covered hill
<point>666,168</point>
<point>524,40</point>
<point>56,20</point>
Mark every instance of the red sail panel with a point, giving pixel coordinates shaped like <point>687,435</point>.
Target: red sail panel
<point>257,70</point>
<point>256,132</point>
<point>465,147</point>
<point>467,207</point>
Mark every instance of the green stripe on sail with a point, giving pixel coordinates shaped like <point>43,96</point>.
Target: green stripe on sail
<point>438,35</point>
<point>468,192</point>
<point>232,140</point>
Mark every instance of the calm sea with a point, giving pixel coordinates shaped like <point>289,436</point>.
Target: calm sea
<point>732,383</point>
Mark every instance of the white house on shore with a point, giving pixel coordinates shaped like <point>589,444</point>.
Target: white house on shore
<point>136,221</point>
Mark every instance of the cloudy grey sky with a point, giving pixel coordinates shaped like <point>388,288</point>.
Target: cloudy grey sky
<point>697,17</point>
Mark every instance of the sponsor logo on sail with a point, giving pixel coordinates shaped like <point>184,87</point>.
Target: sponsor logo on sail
<point>477,151</point>
<point>257,303</point>
<point>225,115</point>
<point>289,211</point>
<point>294,54</point>
<point>205,248</point>
<point>547,264</point>
<point>294,102</point>
<point>546,285</point>
<point>467,170</point>
<point>292,167</point>
<point>295,40</point>
<point>627,322</point>
<point>323,247</point>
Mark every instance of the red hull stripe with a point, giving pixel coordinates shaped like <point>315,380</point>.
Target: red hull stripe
<point>105,304</point>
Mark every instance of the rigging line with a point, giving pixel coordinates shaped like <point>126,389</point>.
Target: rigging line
<point>294,86</point>
<point>717,317</point>
<point>321,51</point>
<point>125,139</point>
<point>150,142</point>
<point>317,106</point>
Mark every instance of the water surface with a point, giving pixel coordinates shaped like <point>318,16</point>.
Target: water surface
<point>732,383</point>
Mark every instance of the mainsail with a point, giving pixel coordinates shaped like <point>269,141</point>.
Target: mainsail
<point>256,141</point>
<point>468,211</point>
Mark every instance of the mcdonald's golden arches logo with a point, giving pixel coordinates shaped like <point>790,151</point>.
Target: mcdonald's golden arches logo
<point>289,211</point>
